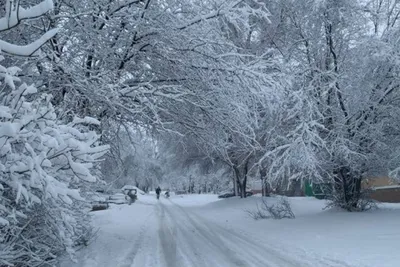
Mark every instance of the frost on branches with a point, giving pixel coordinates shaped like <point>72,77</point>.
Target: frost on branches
<point>42,164</point>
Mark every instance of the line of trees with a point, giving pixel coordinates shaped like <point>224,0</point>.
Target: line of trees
<point>291,90</point>
<point>311,93</point>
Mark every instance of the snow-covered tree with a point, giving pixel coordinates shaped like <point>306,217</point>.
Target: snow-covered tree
<point>335,127</point>
<point>43,162</point>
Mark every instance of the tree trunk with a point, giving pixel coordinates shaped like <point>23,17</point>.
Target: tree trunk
<point>242,182</point>
<point>235,181</point>
<point>265,188</point>
<point>243,187</point>
<point>347,189</point>
<point>239,186</point>
<point>264,184</point>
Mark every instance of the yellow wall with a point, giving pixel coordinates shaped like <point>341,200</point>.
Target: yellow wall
<point>376,182</point>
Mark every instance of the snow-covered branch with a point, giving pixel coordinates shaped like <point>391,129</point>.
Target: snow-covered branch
<point>27,50</point>
<point>16,13</point>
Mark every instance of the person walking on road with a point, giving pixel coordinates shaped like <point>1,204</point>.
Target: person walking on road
<point>158,192</point>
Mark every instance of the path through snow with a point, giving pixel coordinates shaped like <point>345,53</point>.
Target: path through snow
<point>162,233</point>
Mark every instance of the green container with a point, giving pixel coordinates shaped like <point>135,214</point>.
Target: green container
<point>308,189</point>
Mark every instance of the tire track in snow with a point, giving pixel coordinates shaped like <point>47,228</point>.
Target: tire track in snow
<point>302,259</point>
<point>186,252</point>
<point>203,247</point>
<point>138,244</point>
<point>250,253</point>
<point>254,252</point>
<point>167,234</point>
<point>257,251</point>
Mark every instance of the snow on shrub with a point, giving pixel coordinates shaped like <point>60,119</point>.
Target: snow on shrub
<point>279,210</point>
<point>43,164</point>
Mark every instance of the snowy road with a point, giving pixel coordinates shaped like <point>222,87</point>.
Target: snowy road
<point>164,234</point>
<point>188,240</point>
<point>176,237</point>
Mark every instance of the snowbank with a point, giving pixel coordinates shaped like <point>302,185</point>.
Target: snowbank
<point>120,230</point>
<point>367,239</point>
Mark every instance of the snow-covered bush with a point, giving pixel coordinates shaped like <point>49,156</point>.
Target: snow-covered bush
<point>363,202</point>
<point>279,210</point>
<point>43,163</point>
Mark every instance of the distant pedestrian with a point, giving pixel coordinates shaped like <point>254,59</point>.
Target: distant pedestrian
<point>158,192</point>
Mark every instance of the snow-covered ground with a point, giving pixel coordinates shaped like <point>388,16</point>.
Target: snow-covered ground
<point>348,239</point>
<point>201,230</point>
